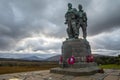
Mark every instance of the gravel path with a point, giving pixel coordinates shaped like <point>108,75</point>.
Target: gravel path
<point>110,74</point>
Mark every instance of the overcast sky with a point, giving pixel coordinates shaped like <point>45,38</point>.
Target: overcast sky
<point>37,26</point>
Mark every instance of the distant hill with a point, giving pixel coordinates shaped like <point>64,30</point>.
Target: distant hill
<point>98,55</point>
<point>37,57</point>
<point>25,55</point>
<point>56,58</point>
<point>53,58</point>
<point>32,58</point>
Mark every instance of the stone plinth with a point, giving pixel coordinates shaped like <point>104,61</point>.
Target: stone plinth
<point>77,48</point>
<point>79,65</point>
<point>76,72</point>
<point>80,50</point>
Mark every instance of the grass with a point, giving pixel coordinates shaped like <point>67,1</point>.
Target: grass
<point>14,67</point>
<point>110,66</point>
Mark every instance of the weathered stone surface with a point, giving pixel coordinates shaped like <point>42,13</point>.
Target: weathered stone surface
<point>76,72</point>
<point>45,75</point>
<point>111,78</point>
<point>79,48</point>
<point>83,78</point>
<point>76,48</point>
<point>81,65</point>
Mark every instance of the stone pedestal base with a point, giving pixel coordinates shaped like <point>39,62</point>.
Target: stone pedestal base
<point>76,72</point>
<point>79,48</point>
<point>79,65</point>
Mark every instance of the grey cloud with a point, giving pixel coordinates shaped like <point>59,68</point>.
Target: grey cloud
<point>20,19</point>
<point>103,17</point>
<point>32,11</point>
<point>40,45</point>
<point>15,16</point>
<point>6,43</point>
<point>108,41</point>
<point>106,52</point>
<point>4,30</point>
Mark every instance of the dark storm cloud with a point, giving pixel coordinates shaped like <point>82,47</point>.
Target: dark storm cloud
<point>20,19</point>
<point>16,17</point>
<point>6,43</point>
<point>103,16</point>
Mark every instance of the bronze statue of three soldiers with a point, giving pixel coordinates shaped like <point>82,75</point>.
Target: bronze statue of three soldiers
<point>75,19</point>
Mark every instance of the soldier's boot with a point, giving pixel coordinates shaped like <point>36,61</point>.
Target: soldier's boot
<point>84,34</point>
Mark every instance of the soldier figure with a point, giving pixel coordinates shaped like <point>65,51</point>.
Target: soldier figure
<point>82,21</point>
<point>71,20</point>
